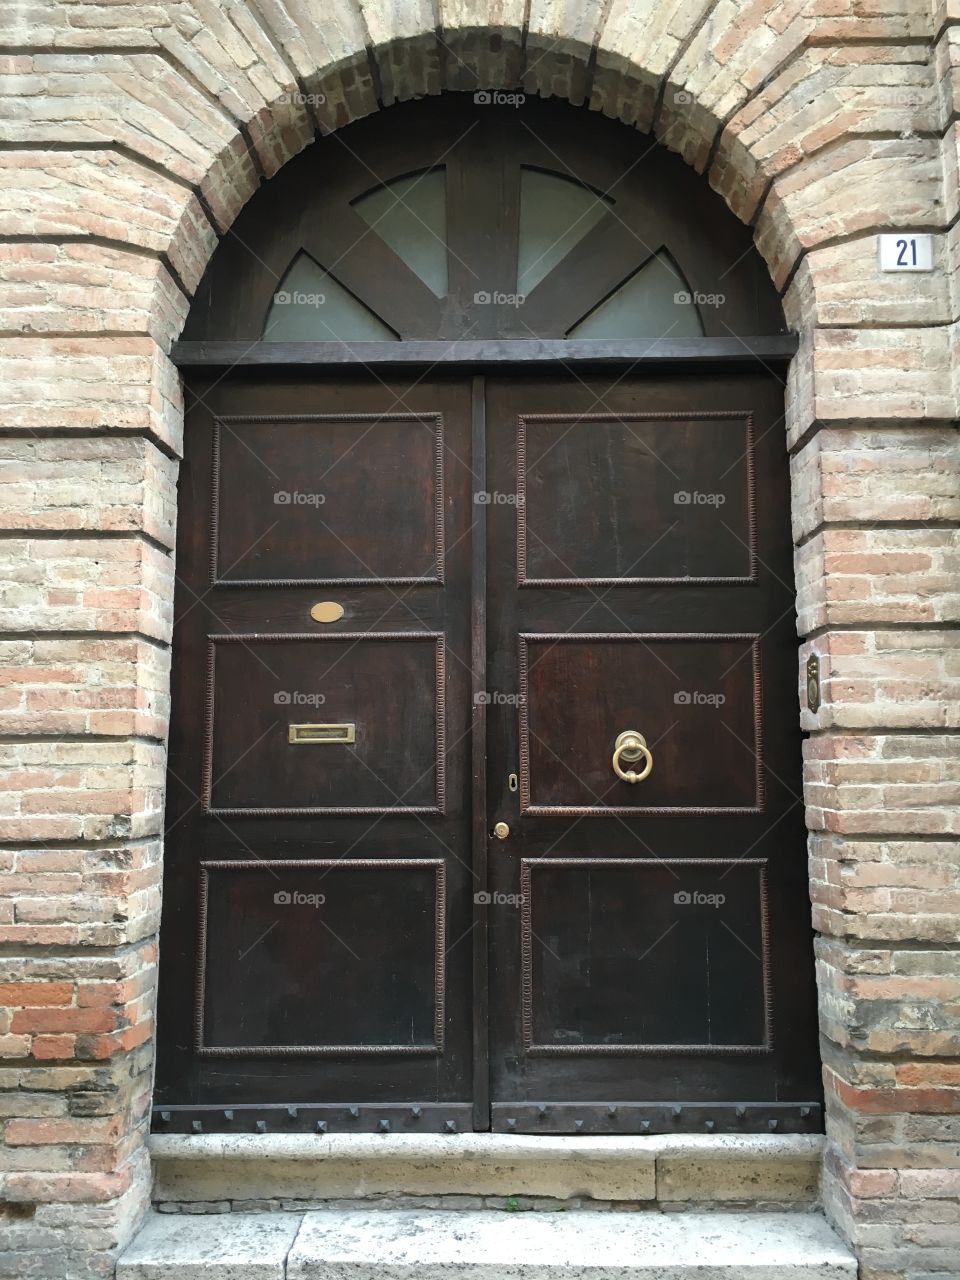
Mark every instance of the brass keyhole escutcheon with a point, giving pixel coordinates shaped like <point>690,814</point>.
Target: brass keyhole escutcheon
<point>327,611</point>
<point>501,830</point>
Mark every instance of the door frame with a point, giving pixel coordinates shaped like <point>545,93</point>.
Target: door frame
<point>472,359</point>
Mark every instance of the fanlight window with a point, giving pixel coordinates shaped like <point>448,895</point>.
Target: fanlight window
<point>655,302</point>
<point>311,306</point>
<point>555,213</point>
<point>446,220</point>
<point>410,214</point>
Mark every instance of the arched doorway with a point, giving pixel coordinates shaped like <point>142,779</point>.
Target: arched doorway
<point>481,799</point>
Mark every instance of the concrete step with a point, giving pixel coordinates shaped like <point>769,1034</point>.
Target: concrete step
<point>231,1169</point>
<point>403,1244</point>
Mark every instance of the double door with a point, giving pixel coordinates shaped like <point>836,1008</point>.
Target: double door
<point>484,796</point>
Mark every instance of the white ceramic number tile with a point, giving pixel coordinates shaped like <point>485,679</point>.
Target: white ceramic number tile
<point>906,251</point>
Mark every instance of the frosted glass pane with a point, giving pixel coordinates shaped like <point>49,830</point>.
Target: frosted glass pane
<point>555,213</point>
<point>310,306</point>
<point>411,215</point>
<point>655,302</point>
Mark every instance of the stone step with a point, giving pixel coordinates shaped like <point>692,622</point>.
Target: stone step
<point>400,1244</point>
<point>221,1246</point>
<point>231,1169</point>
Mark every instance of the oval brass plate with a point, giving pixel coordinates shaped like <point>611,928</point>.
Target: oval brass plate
<point>327,611</point>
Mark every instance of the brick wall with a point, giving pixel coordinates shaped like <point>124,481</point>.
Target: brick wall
<point>139,132</point>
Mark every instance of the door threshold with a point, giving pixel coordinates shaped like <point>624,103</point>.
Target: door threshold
<point>233,1169</point>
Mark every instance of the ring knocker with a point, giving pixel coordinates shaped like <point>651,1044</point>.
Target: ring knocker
<point>632,746</point>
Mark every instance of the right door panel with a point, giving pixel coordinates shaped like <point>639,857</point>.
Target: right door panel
<point>651,952</point>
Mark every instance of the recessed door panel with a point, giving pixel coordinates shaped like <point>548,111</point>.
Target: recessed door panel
<point>632,957</point>
<point>369,933</point>
<point>313,724</point>
<point>293,496</point>
<point>605,498</point>
<point>695,699</point>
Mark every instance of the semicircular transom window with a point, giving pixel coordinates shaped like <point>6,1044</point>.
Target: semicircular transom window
<point>447,220</point>
<point>311,306</point>
<point>655,302</point>
<point>410,214</point>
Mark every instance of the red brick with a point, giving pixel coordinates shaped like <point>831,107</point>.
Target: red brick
<point>35,994</point>
<point>61,1047</point>
<point>64,1020</point>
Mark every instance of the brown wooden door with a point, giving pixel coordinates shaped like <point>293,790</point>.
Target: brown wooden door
<point>315,891</point>
<point>650,941</point>
<point>527,564</point>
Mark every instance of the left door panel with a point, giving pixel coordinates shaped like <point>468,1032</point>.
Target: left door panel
<point>318,869</point>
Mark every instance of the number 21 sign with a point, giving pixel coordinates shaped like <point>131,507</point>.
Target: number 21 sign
<point>906,251</point>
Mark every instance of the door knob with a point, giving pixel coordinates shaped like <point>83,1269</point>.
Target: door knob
<point>501,830</point>
<point>631,746</point>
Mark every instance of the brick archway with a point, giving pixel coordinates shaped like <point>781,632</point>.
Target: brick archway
<point>817,130</point>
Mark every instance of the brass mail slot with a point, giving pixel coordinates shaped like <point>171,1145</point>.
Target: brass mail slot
<point>301,734</point>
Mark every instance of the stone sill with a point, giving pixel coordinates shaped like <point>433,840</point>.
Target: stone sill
<point>666,1169</point>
